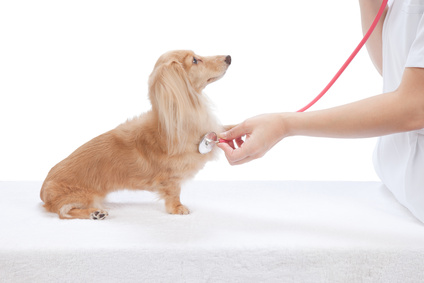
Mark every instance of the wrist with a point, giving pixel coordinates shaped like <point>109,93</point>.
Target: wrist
<point>288,124</point>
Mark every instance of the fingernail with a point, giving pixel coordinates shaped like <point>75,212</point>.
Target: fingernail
<point>223,135</point>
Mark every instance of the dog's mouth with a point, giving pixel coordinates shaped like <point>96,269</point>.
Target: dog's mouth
<point>214,79</point>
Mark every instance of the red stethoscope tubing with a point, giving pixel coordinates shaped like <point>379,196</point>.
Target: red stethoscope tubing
<point>354,53</point>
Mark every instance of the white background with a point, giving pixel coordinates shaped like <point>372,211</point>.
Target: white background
<point>71,70</point>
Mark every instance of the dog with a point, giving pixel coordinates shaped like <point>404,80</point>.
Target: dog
<point>156,151</point>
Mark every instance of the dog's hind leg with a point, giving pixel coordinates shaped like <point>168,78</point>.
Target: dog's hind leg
<point>72,202</point>
<point>78,211</point>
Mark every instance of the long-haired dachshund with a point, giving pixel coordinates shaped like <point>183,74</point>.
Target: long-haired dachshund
<point>156,151</point>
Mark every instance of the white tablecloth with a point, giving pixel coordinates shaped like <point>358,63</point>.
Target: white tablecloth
<point>262,231</point>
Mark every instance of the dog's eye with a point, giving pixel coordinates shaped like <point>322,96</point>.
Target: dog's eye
<point>194,60</point>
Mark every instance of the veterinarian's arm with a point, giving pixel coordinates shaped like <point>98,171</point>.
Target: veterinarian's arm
<point>398,111</point>
<point>369,9</point>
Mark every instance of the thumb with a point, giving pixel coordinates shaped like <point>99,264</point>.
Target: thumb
<point>234,133</point>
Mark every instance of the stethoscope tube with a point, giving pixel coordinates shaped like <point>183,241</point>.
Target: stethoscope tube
<point>210,139</point>
<point>349,60</point>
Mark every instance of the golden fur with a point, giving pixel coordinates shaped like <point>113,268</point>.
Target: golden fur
<point>156,151</point>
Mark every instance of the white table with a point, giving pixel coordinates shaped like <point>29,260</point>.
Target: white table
<point>283,231</point>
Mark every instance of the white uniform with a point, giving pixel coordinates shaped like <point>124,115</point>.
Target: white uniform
<point>399,158</point>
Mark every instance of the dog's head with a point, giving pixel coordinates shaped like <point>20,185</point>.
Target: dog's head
<point>175,91</point>
<point>197,70</point>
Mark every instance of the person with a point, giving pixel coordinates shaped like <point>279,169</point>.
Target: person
<point>396,116</point>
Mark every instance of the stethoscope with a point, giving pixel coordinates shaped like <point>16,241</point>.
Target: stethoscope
<point>210,139</point>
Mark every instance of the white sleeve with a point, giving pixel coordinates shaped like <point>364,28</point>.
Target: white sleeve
<point>416,53</point>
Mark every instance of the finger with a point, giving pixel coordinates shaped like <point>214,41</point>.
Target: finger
<point>228,127</point>
<point>231,153</point>
<point>231,144</point>
<point>247,159</point>
<point>234,156</point>
<point>227,147</point>
<point>243,161</point>
<point>236,132</point>
<point>239,142</point>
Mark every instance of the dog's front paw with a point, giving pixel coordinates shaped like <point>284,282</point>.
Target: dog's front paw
<point>179,209</point>
<point>98,215</point>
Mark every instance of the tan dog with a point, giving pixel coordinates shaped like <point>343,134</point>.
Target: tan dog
<point>156,151</point>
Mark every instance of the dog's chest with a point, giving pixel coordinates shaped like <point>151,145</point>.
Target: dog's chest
<point>185,166</point>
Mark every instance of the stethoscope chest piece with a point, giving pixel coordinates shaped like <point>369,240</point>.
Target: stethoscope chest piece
<point>208,142</point>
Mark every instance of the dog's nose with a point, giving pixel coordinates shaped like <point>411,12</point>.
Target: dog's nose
<point>228,59</point>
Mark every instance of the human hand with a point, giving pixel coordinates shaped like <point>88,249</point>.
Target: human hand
<point>260,134</point>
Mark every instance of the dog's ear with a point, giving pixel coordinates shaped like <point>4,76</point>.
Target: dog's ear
<point>175,101</point>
